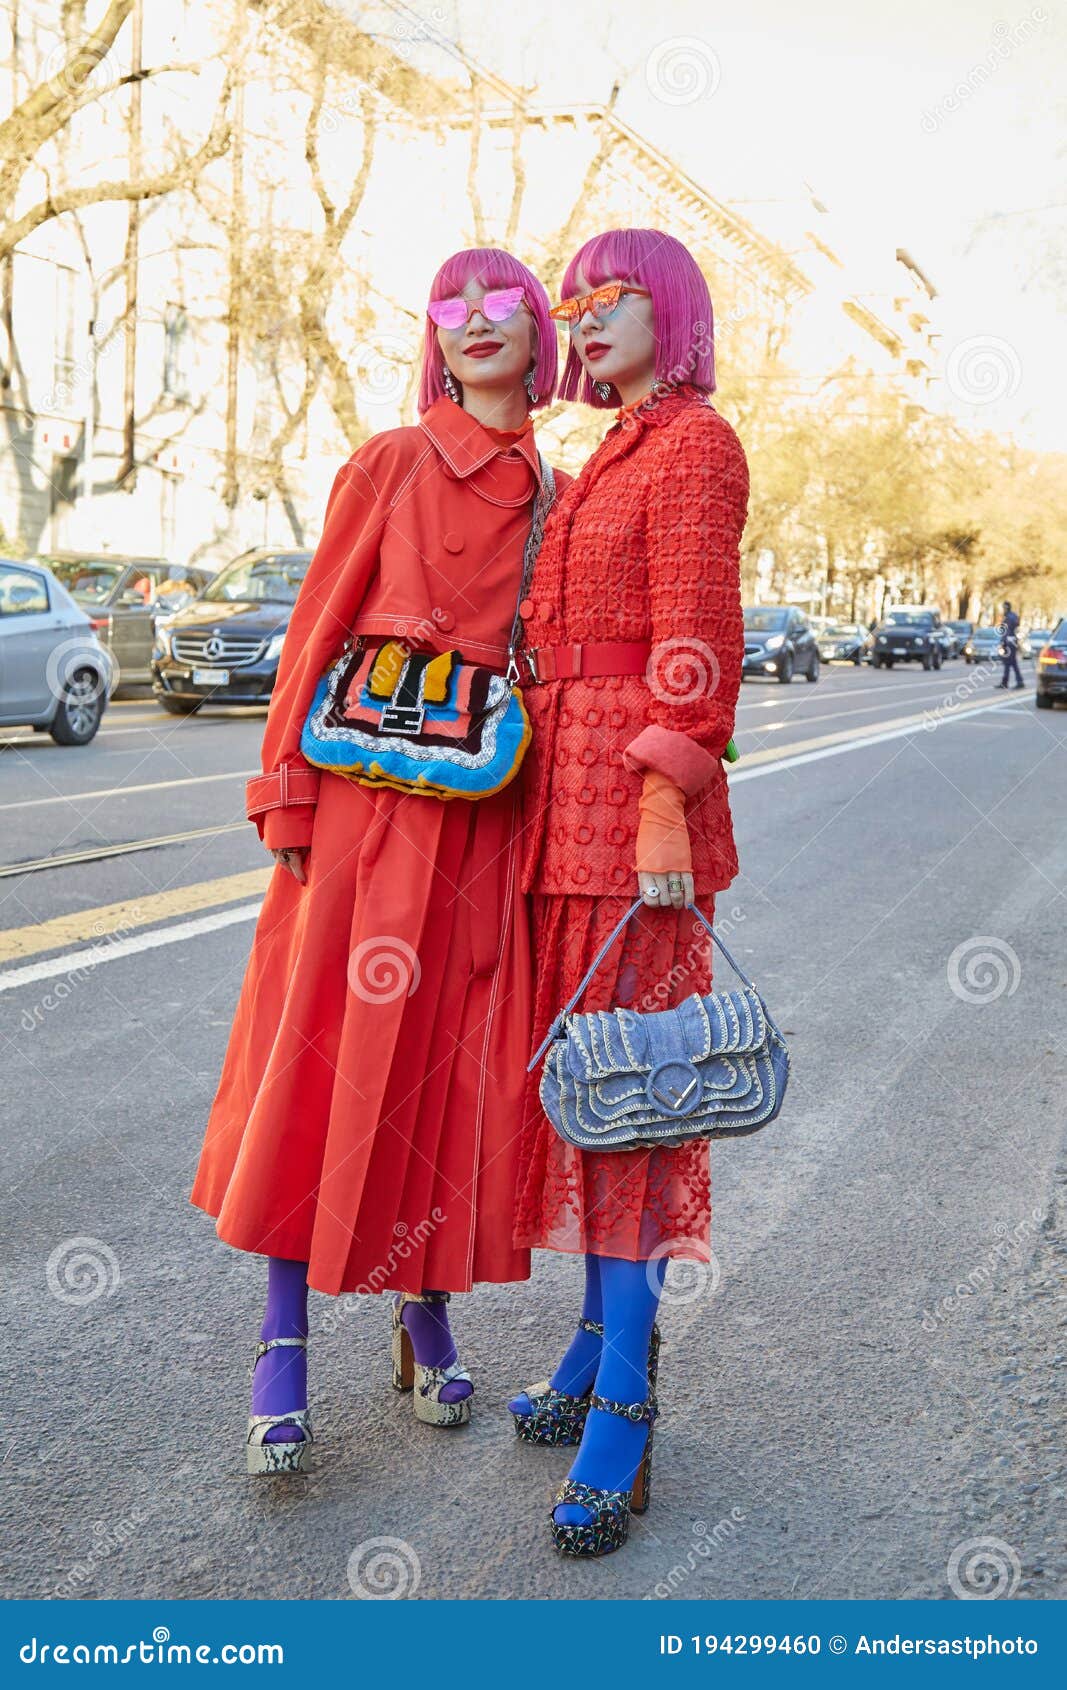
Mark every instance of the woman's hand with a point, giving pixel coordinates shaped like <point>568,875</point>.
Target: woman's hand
<point>662,890</point>
<point>293,858</point>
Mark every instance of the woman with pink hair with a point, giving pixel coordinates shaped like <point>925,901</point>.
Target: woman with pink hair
<point>636,640</point>
<point>363,1134</point>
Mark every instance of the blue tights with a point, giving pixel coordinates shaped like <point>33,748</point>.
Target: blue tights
<point>611,1448</point>
<point>577,1370</point>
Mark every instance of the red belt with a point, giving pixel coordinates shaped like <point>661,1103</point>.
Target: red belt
<point>570,662</point>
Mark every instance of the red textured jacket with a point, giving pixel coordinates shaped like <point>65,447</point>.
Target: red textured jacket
<point>643,545</point>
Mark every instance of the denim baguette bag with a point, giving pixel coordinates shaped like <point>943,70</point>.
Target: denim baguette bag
<point>712,1067</point>
<point>426,722</point>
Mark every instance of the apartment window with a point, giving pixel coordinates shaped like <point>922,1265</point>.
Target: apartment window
<point>63,362</point>
<point>176,354</point>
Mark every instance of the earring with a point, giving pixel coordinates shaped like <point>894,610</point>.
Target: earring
<point>451,387</point>
<point>602,389</point>
<point>531,391</point>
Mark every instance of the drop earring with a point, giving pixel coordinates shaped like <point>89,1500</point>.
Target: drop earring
<point>602,389</point>
<point>451,386</point>
<point>531,391</point>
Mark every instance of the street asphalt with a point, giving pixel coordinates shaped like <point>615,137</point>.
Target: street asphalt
<point>861,1394</point>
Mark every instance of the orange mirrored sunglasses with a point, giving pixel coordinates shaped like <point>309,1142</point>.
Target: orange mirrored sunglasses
<point>601,302</point>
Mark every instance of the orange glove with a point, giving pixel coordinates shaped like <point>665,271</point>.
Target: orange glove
<point>662,834</point>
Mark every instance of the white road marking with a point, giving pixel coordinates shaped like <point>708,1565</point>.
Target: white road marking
<point>914,727</point>
<point>91,956</point>
<point>121,791</point>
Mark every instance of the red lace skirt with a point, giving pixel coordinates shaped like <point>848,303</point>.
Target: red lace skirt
<point>636,1203</point>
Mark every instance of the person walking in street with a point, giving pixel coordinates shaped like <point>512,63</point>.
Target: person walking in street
<point>635,626</point>
<point>363,1136</point>
<point>1009,646</point>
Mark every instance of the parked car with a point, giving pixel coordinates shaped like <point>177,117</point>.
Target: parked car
<point>224,647</point>
<point>1035,639</point>
<point>961,633</point>
<point>779,641</point>
<point>122,597</point>
<point>54,673</point>
<point>1051,674</point>
<point>842,642</point>
<point>983,646</point>
<point>908,636</point>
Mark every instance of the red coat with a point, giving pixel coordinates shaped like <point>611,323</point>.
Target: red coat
<point>365,1117</point>
<point>643,545</point>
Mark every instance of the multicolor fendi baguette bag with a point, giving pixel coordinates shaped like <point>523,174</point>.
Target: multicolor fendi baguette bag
<point>712,1067</point>
<point>426,722</point>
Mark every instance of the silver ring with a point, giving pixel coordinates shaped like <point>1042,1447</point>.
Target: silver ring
<point>652,892</point>
<point>674,884</point>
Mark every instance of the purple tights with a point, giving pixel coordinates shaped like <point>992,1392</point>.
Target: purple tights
<point>280,1381</point>
<point>433,1344</point>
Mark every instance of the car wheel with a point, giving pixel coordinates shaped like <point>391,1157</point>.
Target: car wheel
<point>80,709</point>
<point>813,672</point>
<point>179,706</point>
<point>928,661</point>
<point>1043,701</point>
<point>858,659</point>
<point>785,673</point>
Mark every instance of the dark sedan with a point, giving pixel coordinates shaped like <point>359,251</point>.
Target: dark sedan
<point>1051,676</point>
<point>779,641</point>
<point>983,646</point>
<point>961,632</point>
<point>122,597</point>
<point>842,642</point>
<point>224,648</point>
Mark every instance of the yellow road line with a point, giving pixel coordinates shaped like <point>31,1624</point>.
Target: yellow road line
<point>64,930</point>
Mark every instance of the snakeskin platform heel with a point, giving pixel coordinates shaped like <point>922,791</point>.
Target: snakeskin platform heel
<point>557,1416</point>
<point>610,1509</point>
<point>276,1457</point>
<point>426,1382</point>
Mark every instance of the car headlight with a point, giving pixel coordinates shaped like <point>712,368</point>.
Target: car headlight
<point>775,641</point>
<point>917,639</point>
<point>274,649</point>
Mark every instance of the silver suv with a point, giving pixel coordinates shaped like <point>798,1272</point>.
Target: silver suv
<point>55,675</point>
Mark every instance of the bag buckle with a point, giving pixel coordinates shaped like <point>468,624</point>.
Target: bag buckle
<point>403,719</point>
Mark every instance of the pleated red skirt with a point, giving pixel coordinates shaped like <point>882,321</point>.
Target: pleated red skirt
<point>637,1203</point>
<point>366,1117</point>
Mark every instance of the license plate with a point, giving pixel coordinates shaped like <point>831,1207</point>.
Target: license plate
<point>211,677</point>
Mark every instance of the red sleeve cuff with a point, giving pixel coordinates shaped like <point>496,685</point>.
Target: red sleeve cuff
<point>282,805</point>
<point>673,754</point>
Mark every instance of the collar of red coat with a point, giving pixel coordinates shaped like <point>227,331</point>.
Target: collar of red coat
<point>463,442</point>
<point>659,405</point>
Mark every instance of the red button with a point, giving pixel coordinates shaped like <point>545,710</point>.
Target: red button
<point>527,609</point>
<point>444,619</point>
<point>452,542</point>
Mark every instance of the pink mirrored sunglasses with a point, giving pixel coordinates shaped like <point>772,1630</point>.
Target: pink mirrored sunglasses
<point>497,305</point>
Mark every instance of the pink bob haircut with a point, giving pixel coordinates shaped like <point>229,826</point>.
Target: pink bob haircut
<point>491,267</point>
<point>681,307</point>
